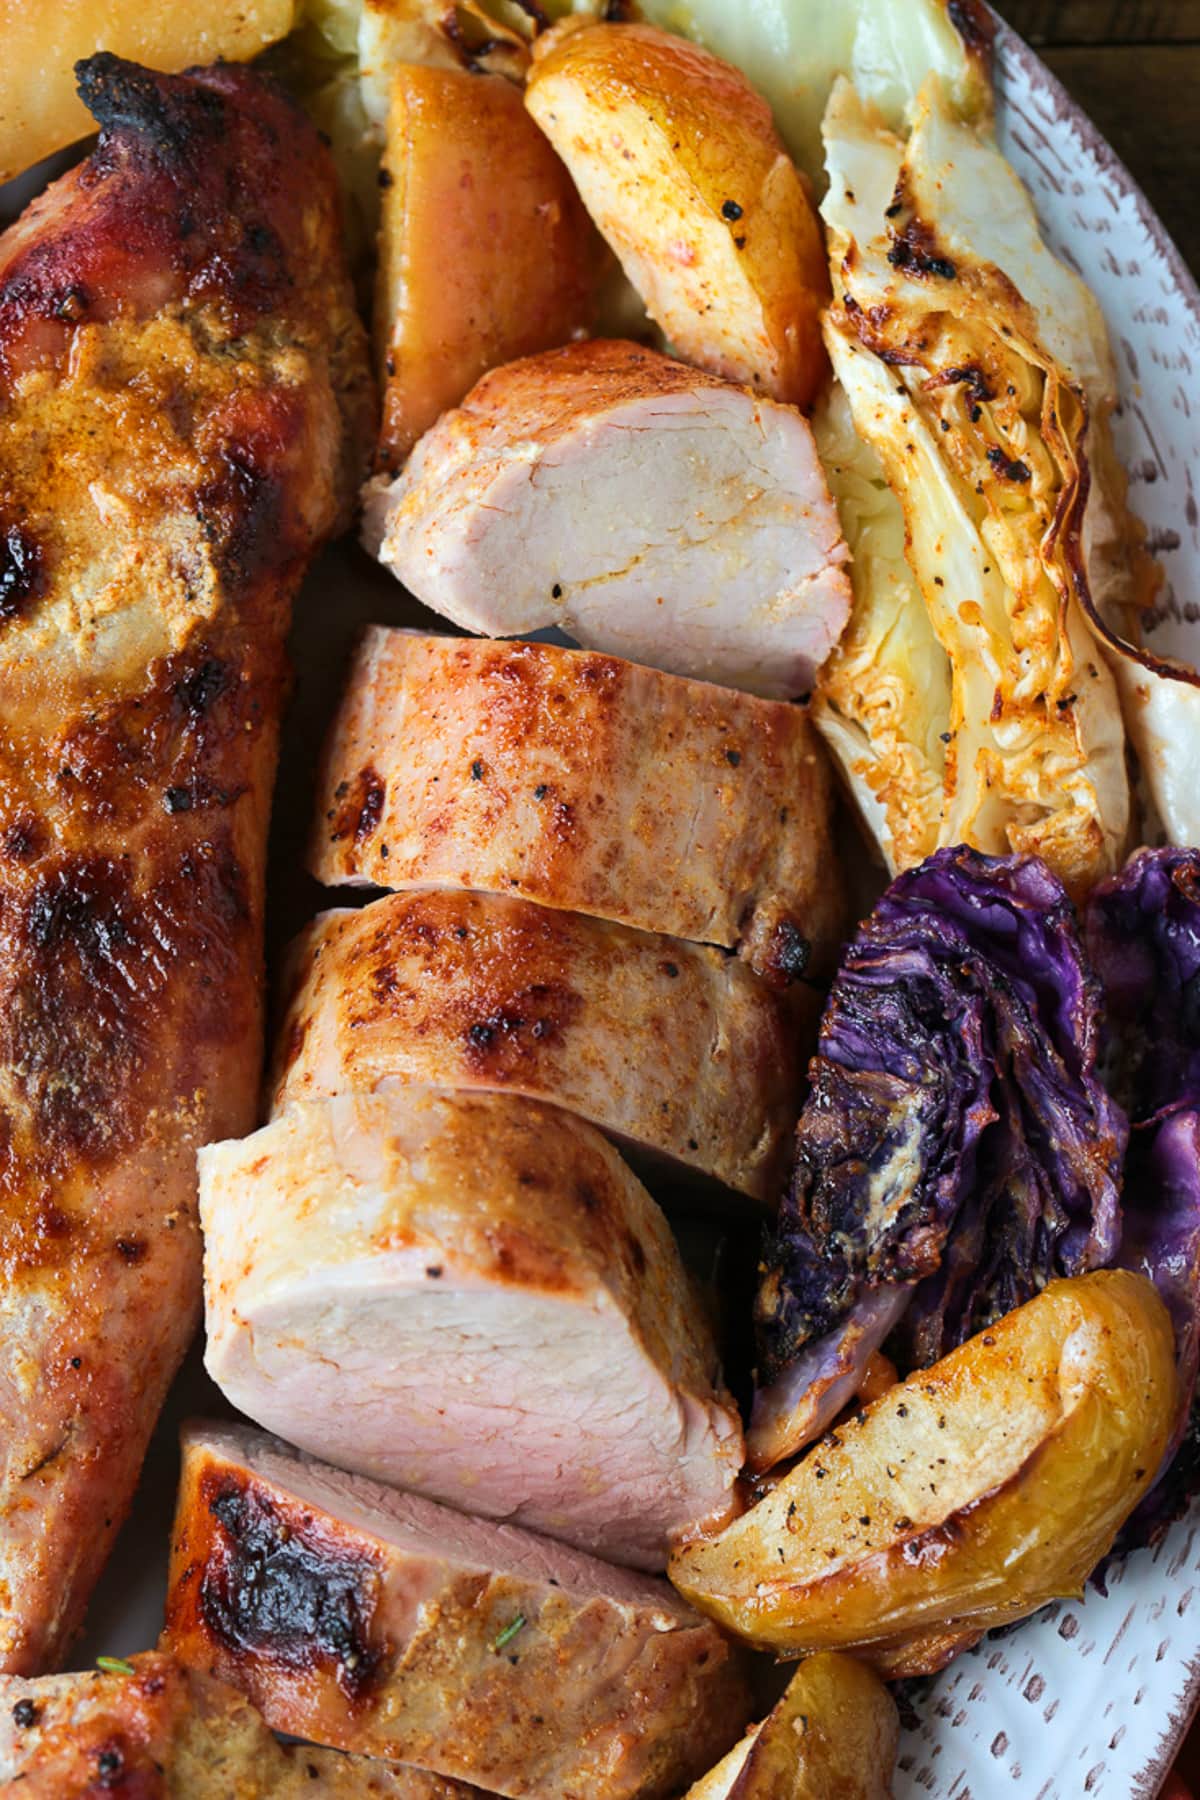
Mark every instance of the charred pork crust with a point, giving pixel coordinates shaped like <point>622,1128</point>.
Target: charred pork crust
<point>359,807</point>
<point>276,1587</point>
<point>788,955</point>
<point>22,575</point>
<point>174,121</point>
<point>98,956</point>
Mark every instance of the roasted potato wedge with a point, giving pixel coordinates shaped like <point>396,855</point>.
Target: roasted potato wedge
<point>679,163</point>
<point>39,109</point>
<point>485,252</point>
<point>832,1736</point>
<point>966,1496</point>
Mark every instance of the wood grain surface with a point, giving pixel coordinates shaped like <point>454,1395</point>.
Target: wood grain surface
<point>1134,67</point>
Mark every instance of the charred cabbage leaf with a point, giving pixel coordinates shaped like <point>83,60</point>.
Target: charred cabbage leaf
<point>1143,936</point>
<point>956,1151</point>
<point>883,703</point>
<point>974,365</point>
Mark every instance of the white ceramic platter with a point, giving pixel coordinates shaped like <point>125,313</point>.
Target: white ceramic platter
<point>1088,1698</point>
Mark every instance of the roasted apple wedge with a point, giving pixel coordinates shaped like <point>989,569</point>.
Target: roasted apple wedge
<point>485,251</point>
<point>679,162</point>
<point>40,110</point>
<point>832,1736</point>
<point>967,1496</point>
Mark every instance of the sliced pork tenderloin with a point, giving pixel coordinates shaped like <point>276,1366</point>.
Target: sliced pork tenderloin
<point>582,782</point>
<point>672,1047</point>
<point>471,1296</point>
<point>383,1623</point>
<point>646,508</point>
<point>149,1729</point>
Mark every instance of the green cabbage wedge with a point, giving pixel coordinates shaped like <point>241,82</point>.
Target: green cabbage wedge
<point>975,367</point>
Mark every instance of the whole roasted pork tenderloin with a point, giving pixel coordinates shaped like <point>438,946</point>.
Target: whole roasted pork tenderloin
<point>185,394</point>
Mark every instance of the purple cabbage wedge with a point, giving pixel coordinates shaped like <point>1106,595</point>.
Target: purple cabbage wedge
<point>1143,936</point>
<point>956,1151</point>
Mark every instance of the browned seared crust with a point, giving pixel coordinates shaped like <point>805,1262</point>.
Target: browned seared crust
<point>183,384</point>
<point>152,1730</point>
<point>537,1682</point>
<point>583,782</point>
<point>671,1046</point>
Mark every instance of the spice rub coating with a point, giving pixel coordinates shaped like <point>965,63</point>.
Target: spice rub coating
<point>560,775</point>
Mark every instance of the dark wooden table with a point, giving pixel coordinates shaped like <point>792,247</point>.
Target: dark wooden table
<point>1134,67</point>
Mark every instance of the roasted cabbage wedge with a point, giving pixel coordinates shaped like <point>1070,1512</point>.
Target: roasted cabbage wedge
<point>883,703</point>
<point>794,50</point>
<point>679,163</point>
<point>967,1496</point>
<point>832,1736</point>
<point>1143,936</point>
<point>974,365</point>
<point>957,1149</point>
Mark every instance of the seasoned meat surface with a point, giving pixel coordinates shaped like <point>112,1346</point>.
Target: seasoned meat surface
<point>470,1296</point>
<point>586,783</point>
<point>670,1046</point>
<point>381,1622</point>
<point>184,387</point>
<point>150,1729</point>
<point>646,508</point>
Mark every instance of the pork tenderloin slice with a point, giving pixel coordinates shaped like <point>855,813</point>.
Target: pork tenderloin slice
<point>644,507</point>
<point>471,1296</point>
<point>154,1730</point>
<point>582,782</point>
<point>386,1624</point>
<point>672,1046</point>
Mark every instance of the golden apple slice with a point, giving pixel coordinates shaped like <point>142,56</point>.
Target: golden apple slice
<point>485,254</point>
<point>832,1736</point>
<point>967,1496</point>
<point>40,110</point>
<point>679,163</point>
